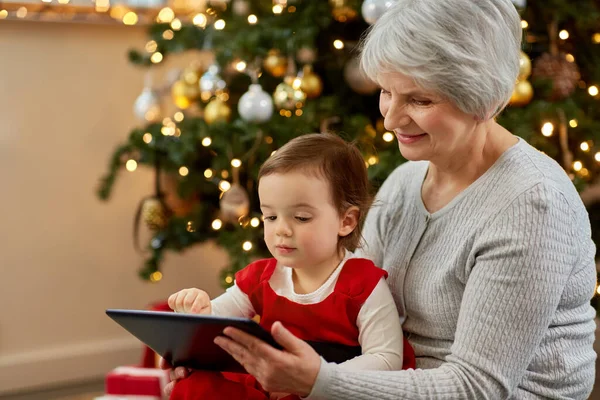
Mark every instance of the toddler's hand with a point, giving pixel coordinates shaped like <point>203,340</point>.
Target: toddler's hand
<point>192,301</point>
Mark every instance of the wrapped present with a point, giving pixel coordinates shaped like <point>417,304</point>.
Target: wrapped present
<point>135,383</point>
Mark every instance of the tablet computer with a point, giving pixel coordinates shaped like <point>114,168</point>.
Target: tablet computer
<point>187,339</point>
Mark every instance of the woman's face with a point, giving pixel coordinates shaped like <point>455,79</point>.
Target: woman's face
<point>427,126</point>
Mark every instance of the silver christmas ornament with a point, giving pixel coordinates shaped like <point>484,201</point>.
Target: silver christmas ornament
<point>255,105</point>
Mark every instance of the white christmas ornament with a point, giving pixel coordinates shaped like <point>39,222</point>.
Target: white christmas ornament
<point>147,106</point>
<point>255,105</point>
<point>373,9</point>
<point>520,3</point>
<point>211,81</point>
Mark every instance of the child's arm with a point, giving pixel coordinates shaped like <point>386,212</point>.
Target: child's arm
<point>380,333</point>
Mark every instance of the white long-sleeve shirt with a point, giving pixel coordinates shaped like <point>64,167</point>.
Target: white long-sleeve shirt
<point>379,326</point>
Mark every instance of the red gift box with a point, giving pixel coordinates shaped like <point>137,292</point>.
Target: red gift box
<point>136,381</point>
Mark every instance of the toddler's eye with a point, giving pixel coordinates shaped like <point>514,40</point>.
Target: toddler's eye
<point>270,218</point>
<point>303,219</point>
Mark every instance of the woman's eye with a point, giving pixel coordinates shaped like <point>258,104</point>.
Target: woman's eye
<point>303,219</point>
<point>384,92</point>
<point>421,102</point>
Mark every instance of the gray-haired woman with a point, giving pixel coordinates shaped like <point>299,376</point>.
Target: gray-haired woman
<point>485,239</point>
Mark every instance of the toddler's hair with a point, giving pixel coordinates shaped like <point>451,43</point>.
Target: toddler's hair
<point>340,163</point>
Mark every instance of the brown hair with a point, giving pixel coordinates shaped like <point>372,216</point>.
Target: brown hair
<point>337,161</point>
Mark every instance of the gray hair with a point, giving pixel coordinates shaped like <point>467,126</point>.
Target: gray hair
<point>466,51</point>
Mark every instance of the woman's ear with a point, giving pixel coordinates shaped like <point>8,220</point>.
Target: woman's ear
<point>349,221</point>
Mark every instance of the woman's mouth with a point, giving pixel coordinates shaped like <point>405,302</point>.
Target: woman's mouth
<point>409,139</point>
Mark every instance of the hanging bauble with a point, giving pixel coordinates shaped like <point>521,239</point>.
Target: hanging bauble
<point>211,82</point>
<point>287,97</point>
<point>184,94</point>
<point>373,9</point>
<point>306,55</point>
<point>216,111</point>
<point>275,64</point>
<point>524,66</point>
<point>520,3</point>
<point>342,10</point>
<point>241,8</point>
<point>191,75</point>
<point>178,205</point>
<point>356,78</point>
<point>310,83</point>
<point>522,94</point>
<point>563,74</point>
<point>147,106</point>
<point>154,214</point>
<point>234,204</point>
<point>255,105</point>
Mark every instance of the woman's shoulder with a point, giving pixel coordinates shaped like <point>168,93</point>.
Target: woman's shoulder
<point>404,176</point>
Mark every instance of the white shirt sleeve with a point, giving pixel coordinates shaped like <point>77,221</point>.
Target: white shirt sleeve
<point>380,333</point>
<point>233,303</point>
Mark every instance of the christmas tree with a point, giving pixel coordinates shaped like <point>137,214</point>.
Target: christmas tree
<point>284,68</point>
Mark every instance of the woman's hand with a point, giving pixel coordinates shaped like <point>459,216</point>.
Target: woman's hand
<point>292,370</point>
<point>176,374</point>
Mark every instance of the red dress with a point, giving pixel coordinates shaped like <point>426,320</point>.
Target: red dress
<point>331,320</point>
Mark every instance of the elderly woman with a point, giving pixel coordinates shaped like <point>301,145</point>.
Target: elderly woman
<point>485,239</point>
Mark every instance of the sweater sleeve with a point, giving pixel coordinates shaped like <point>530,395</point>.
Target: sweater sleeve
<point>521,262</point>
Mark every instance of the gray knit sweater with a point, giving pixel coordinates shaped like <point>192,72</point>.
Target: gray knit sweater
<point>495,286</point>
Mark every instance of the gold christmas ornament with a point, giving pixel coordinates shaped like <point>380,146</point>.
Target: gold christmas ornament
<point>288,98</point>
<point>154,214</point>
<point>563,74</point>
<point>216,111</point>
<point>342,10</point>
<point>356,78</point>
<point>184,94</point>
<point>191,75</point>
<point>522,94</point>
<point>524,66</point>
<point>234,204</point>
<point>310,83</point>
<point>275,64</point>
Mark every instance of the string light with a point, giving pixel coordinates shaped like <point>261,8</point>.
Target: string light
<point>277,9</point>
<point>547,129</point>
<point>176,24</point>
<point>597,157</point>
<point>3,14</point>
<point>190,227</point>
<point>298,113</point>
<point>178,116</point>
<point>524,24</point>
<point>224,186</point>
<point>593,90</point>
<point>564,35</point>
<point>247,246</point>
<point>252,19</point>
<point>217,224</point>
<point>102,5</point>
<point>206,142</point>
<point>147,138</point>
<point>156,58</point>
<point>199,20</point>
<point>165,15</point>
<point>208,173</point>
<point>131,165</point>
<point>224,174</point>
<point>228,279</point>
<point>151,46</point>
<point>130,18</point>
<point>255,222</point>
<point>240,66</point>
<point>570,58</point>
<point>338,44</point>
<point>168,34</point>
<point>235,163</point>
<point>373,160</point>
<point>156,276</point>
<point>184,171</point>
<point>573,123</point>
<point>596,38</point>
<point>388,137</point>
<point>22,12</point>
<point>577,165</point>
<point>220,24</point>
<point>585,146</point>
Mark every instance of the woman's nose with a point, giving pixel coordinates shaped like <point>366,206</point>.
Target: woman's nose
<point>395,116</point>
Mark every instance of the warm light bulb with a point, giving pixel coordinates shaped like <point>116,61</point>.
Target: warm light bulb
<point>130,18</point>
<point>570,58</point>
<point>224,186</point>
<point>131,165</point>
<point>219,24</point>
<point>3,14</point>
<point>596,38</point>
<point>156,58</point>
<point>176,24</point>
<point>147,138</point>
<point>573,123</point>
<point>338,44</point>
<point>199,20</point>
<point>547,129</point>
<point>585,146</point>
<point>151,46</point>
<point>597,157</point>
<point>217,224</point>
<point>184,171</point>
<point>228,279</point>
<point>235,163</point>
<point>208,173</point>
<point>277,9</point>
<point>166,15</point>
<point>388,137</point>
<point>178,116</point>
<point>564,35</point>
<point>156,276</point>
<point>524,24</point>
<point>206,141</point>
<point>252,19</point>
<point>577,165</point>
<point>22,12</point>
<point>240,66</point>
<point>168,34</point>
<point>247,246</point>
<point>593,90</point>
<point>255,222</point>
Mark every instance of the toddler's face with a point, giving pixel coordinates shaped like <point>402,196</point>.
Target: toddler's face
<point>301,224</point>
